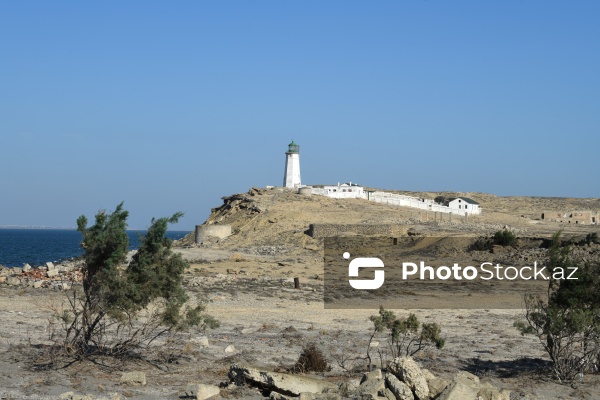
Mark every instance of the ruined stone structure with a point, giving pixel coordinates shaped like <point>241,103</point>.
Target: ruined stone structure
<point>205,231</point>
<point>573,217</point>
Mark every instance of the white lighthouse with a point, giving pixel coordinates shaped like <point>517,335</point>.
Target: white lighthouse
<point>291,179</point>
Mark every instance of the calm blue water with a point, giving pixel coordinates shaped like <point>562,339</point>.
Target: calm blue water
<point>38,246</point>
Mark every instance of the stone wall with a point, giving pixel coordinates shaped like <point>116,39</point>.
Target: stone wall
<point>331,230</point>
<point>205,231</point>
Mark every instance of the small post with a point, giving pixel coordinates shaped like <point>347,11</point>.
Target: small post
<point>296,283</point>
<point>450,217</point>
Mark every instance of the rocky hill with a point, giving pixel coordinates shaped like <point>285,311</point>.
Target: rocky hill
<point>282,217</point>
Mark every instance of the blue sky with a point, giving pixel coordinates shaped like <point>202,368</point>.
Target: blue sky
<point>169,106</point>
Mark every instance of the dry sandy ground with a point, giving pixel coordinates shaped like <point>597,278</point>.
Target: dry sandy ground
<point>248,282</point>
<point>269,322</point>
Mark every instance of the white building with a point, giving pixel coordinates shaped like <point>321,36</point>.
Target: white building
<point>341,191</point>
<point>291,177</point>
<point>464,205</point>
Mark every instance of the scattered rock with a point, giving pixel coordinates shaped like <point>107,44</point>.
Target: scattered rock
<point>279,396</point>
<point>134,378</point>
<point>407,370</point>
<point>51,273</point>
<point>490,392</point>
<point>63,286</point>
<point>201,392</point>
<point>319,396</point>
<point>435,385</point>
<point>347,389</point>
<point>371,385</point>
<point>201,341</point>
<point>13,281</point>
<point>74,396</point>
<point>50,266</point>
<point>400,389</point>
<point>27,268</point>
<point>375,374</point>
<point>464,386</point>
<point>230,349</point>
<point>282,383</point>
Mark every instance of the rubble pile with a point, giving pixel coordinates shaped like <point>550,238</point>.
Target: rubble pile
<point>59,277</point>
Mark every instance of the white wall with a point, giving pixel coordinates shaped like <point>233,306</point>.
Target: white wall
<point>396,200</point>
<point>342,191</point>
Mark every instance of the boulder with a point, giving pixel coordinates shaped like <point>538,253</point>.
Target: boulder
<point>347,389</point>
<point>435,385</point>
<point>27,268</point>
<point>230,349</point>
<point>407,370</point>
<point>375,374</point>
<point>13,281</point>
<point>52,273</point>
<point>319,396</point>
<point>38,284</point>
<point>50,266</point>
<point>3,279</point>
<point>283,383</point>
<point>200,341</point>
<point>134,378</point>
<point>488,391</point>
<point>387,394</point>
<point>279,396</point>
<point>371,386</point>
<point>201,392</point>
<point>400,389</point>
<point>464,386</point>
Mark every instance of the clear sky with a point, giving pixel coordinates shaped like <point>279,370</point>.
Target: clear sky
<point>169,106</point>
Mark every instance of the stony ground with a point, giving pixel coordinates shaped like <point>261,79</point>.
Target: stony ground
<point>247,281</point>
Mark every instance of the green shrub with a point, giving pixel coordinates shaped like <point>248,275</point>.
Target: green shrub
<point>404,336</point>
<point>504,238</point>
<point>123,309</point>
<point>500,238</point>
<point>567,319</point>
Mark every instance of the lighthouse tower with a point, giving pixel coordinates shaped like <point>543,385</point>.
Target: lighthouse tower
<point>291,178</point>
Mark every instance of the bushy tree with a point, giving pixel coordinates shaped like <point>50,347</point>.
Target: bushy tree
<point>311,360</point>
<point>443,200</point>
<point>567,319</point>
<point>121,309</point>
<point>405,337</point>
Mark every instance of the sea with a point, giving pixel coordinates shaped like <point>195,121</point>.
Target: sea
<point>38,246</point>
